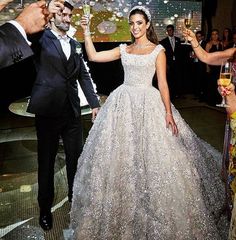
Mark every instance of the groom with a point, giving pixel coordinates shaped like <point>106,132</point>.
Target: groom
<point>56,105</point>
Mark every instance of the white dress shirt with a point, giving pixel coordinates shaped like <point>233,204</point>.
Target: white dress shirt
<point>172,42</point>
<point>65,43</point>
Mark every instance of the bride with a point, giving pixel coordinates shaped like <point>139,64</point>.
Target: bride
<point>139,177</point>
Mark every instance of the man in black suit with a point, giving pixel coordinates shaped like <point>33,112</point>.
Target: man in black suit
<point>172,47</point>
<point>56,105</point>
<point>14,46</point>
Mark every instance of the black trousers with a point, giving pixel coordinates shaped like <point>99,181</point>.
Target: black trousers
<point>49,130</point>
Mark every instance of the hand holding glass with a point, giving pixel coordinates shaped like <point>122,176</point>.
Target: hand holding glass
<point>225,79</point>
<point>86,10</point>
<point>188,21</point>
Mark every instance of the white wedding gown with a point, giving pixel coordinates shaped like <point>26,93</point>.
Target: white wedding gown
<point>137,181</point>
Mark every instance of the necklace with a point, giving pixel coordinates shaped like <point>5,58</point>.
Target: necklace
<point>141,45</point>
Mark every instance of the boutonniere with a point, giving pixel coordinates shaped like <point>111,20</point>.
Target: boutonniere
<point>78,49</point>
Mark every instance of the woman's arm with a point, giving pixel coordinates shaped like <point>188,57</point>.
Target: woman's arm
<point>162,82</point>
<point>164,90</point>
<point>93,55</point>
<point>215,58</point>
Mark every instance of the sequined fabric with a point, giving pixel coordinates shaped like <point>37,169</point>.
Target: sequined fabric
<point>232,175</point>
<point>135,180</point>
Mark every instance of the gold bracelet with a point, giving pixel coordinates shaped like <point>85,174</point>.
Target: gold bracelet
<point>169,114</point>
<point>196,46</point>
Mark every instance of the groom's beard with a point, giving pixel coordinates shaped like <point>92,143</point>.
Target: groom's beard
<point>62,26</point>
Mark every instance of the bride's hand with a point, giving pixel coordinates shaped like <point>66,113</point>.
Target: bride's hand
<point>170,122</point>
<point>94,113</point>
<point>85,22</point>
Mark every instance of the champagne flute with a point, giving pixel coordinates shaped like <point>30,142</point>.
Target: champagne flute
<point>188,21</point>
<point>20,6</point>
<point>86,10</point>
<point>225,79</point>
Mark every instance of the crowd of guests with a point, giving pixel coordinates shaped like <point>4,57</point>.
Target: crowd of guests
<point>186,73</point>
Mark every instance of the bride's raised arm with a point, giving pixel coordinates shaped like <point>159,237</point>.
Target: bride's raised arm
<point>93,55</point>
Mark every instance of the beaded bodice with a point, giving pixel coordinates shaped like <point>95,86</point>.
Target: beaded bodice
<point>139,69</point>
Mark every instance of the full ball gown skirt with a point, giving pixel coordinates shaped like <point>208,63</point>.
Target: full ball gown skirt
<point>135,180</point>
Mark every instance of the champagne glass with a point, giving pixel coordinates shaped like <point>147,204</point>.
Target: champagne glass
<point>188,21</point>
<point>225,79</point>
<point>86,10</point>
<point>20,6</point>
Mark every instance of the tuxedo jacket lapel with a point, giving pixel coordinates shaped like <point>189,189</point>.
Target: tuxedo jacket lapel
<point>75,57</point>
<point>57,47</point>
<point>57,44</point>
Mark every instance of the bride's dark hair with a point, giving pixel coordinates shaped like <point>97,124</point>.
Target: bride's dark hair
<point>151,35</point>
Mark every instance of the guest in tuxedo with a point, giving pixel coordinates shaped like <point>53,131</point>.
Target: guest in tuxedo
<point>172,47</point>
<point>199,71</point>
<point>14,46</point>
<point>56,105</point>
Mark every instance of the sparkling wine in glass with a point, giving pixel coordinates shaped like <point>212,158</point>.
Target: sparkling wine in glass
<point>225,79</point>
<point>188,21</point>
<point>86,10</point>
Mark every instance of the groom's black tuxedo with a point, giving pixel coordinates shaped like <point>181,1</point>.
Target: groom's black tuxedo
<point>56,105</point>
<point>56,78</point>
<point>13,46</point>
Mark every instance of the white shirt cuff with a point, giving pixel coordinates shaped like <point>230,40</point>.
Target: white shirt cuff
<point>21,30</point>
